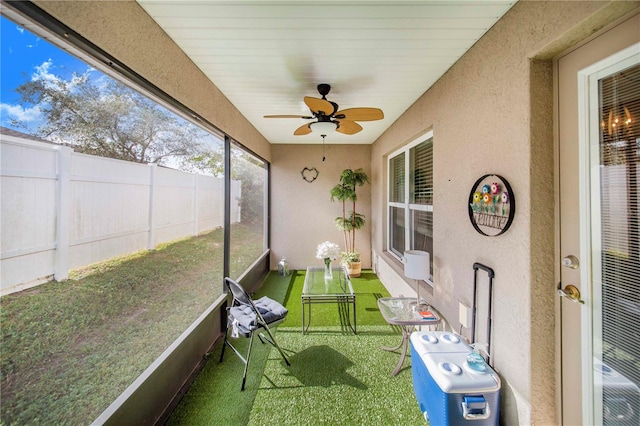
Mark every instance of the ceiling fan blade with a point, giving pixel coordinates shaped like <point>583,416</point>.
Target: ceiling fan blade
<point>306,117</point>
<point>348,127</point>
<point>319,105</point>
<point>361,114</point>
<point>305,129</point>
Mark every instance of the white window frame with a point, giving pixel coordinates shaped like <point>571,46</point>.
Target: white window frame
<point>406,205</point>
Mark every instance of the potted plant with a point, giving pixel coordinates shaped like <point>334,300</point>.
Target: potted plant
<point>349,223</point>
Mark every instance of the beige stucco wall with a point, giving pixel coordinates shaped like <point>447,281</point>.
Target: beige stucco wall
<point>492,112</point>
<point>124,30</point>
<point>302,212</point>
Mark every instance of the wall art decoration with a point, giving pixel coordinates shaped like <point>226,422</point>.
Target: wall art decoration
<point>309,174</point>
<point>492,205</point>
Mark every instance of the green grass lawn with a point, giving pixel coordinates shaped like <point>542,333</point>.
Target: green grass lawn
<point>70,348</point>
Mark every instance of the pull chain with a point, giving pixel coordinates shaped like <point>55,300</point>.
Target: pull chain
<point>323,136</point>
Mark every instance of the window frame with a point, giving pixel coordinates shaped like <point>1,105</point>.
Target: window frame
<point>406,205</point>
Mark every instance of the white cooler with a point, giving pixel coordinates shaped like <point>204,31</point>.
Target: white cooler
<point>448,391</point>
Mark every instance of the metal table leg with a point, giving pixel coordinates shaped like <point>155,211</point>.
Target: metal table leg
<point>306,319</point>
<point>406,333</point>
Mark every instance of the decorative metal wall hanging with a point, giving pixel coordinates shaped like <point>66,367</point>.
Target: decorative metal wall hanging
<point>309,174</point>
<point>492,205</point>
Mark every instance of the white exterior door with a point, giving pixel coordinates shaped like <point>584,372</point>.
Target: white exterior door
<point>598,104</point>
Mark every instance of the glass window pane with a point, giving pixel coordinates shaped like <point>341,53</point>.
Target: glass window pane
<point>104,326</point>
<point>421,163</point>
<point>407,211</point>
<point>422,232</point>
<point>396,230</point>
<point>248,210</point>
<point>617,251</point>
<point>396,179</point>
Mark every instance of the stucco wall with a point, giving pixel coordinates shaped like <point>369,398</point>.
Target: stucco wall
<point>302,212</point>
<point>492,113</point>
<point>124,30</point>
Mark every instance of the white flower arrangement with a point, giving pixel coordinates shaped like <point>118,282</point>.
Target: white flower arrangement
<point>328,250</point>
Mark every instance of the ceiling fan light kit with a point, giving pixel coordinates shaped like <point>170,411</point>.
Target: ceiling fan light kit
<point>324,128</point>
<point>329,119</point>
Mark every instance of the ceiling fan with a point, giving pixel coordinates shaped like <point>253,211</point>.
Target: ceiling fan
<point>329,119</point>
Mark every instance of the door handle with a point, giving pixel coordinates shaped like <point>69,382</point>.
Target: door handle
<point>571,292</point>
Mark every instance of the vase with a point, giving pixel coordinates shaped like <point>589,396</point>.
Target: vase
<point>327,268</point>
<point>283,267</point>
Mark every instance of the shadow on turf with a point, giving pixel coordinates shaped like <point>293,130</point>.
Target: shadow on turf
<point>306,369</point>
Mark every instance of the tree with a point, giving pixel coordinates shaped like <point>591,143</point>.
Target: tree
<point>349,223</point>
<point>246,169</point>
<point>106,118</point>
<point>211,161</point>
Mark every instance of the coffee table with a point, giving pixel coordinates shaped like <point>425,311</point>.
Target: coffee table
<point>401,311</point>
<point>338,289</point>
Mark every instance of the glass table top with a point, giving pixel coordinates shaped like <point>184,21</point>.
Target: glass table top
<point>315,283</point>
<point>402,311</point>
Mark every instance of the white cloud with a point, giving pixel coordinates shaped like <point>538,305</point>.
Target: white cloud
<point>26,115</point>
<point>42,72</point>
<point>20,29</point>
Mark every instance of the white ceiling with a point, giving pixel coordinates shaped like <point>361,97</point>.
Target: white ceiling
<point>265,56</point>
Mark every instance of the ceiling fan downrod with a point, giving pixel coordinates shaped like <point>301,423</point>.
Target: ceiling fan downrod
<point>323,157</point>
<point>324,89</point>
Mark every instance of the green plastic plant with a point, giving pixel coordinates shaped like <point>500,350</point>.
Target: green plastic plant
<point>353,256</point>
<point>349,223</point>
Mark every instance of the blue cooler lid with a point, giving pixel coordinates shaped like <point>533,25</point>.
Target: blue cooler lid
<point>438,341</point>
<point>453,375</point>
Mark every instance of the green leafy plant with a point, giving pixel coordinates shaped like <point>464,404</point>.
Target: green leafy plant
<point>349,223</point>
<point>353,256</point>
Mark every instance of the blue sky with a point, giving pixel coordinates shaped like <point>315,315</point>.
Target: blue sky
<point>23,53</point>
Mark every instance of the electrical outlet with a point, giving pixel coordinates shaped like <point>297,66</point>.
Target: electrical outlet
<point>464,315</point>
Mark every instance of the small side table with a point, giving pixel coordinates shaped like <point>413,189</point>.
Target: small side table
<point>401,311</point>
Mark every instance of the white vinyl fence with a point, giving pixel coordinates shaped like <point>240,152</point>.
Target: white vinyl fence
<point>61,210</point>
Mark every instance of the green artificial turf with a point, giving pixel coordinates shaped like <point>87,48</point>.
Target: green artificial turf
<point>335,377</point>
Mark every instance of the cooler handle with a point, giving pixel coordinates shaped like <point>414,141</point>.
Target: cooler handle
<point>475,408</point>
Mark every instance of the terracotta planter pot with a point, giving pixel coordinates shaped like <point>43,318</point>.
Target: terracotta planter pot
<point>354,269</point>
